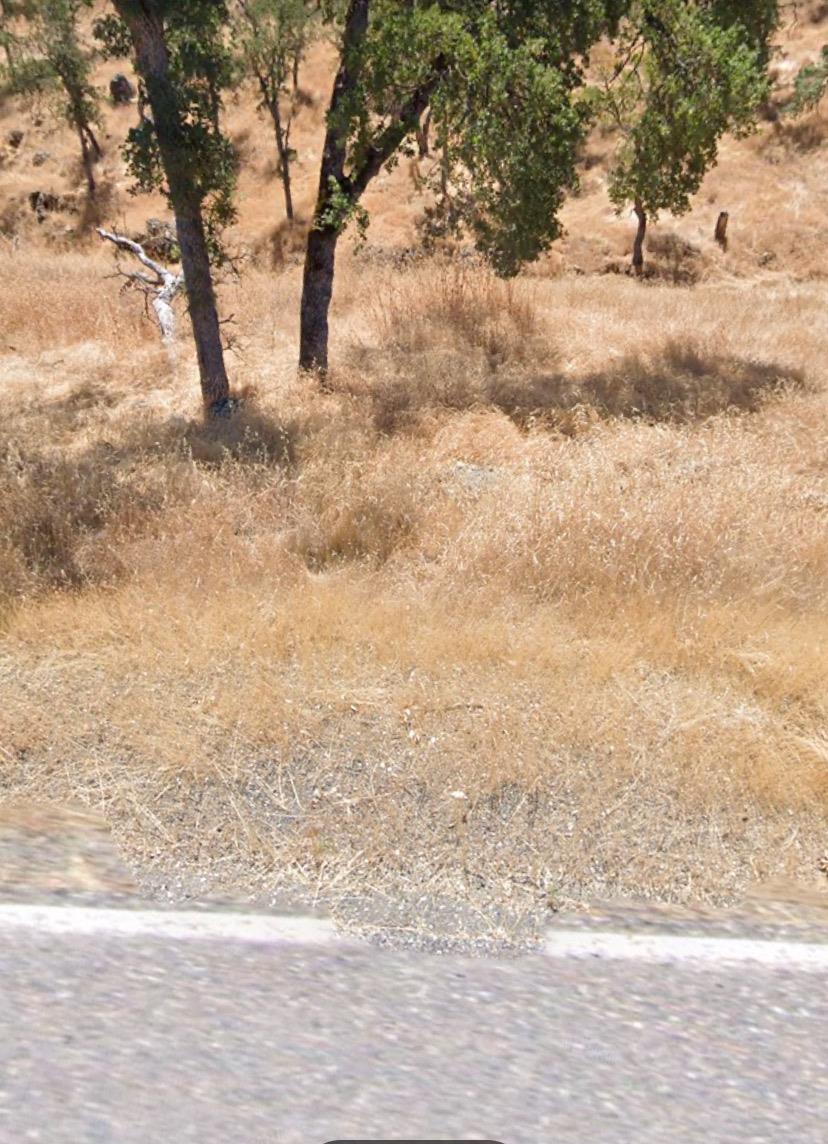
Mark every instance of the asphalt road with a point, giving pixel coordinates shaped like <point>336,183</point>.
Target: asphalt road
<point>142,1037</point>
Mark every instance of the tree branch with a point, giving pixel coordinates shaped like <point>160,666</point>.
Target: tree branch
<point>165,286</point>
<point>392,136</point>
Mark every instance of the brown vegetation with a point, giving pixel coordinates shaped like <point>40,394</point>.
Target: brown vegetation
<point>591,600</point>
<point>530,607</point>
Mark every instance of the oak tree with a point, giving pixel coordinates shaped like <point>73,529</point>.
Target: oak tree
<point>271,38</point>
<point>499,80</point>
<point>183,64</point>
<point>50,59</point>
<point>684,74</point>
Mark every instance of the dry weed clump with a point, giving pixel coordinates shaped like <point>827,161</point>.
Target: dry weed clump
<point>438,333</point>
<point>460,304</point>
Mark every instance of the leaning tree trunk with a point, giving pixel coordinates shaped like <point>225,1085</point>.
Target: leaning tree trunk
<point>195,262</point>
<point>146,26</point>
<point>638,244</point>
<point>88,162</point>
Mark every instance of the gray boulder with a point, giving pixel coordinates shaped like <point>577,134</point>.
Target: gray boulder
<point>121,88</point>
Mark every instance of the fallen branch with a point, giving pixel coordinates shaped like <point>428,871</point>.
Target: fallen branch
<point>163,283</point>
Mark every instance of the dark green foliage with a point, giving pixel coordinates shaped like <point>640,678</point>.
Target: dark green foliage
<point>810,86</point>
<point>200,67</point>
<point>682,80</point>
<point>499,80</point>
<point>509,130</point>
<point>757,19</point>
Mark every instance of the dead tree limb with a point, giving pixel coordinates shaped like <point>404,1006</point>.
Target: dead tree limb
<point>163,284</point>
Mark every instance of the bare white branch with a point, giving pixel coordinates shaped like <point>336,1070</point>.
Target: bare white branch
<point>164,285</point>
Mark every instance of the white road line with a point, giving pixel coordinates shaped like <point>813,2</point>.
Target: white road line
<point>674,948</point>
<point>178,925</point>
<point>274,929</point>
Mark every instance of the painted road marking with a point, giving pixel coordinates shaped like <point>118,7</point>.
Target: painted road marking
<point>700,950</point>
<point>285,929</point>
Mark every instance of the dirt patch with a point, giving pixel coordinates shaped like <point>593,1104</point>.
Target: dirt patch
<point>58,851</point>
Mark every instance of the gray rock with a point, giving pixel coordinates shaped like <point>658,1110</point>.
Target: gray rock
<point>44,203</point>
<point>121,88</point>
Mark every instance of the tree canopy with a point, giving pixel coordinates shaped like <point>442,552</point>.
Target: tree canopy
<point>50,60</point>
<point>684,74</point>
<point>200,68</point>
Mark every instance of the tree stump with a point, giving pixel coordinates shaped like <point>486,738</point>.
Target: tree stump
<point>721,229</point>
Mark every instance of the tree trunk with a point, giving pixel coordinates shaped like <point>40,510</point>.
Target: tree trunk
<point>288,193</point>
<point>146,26</point>
<point>87,162</point>
<point>283,145</point>
<point>282,133</point>
<point>201,299</point>
<point>317,289</point>
<point>638,245</point>
<point>721,230</point>
<point>317,283</point>
<point>339,191</point>
<point>422,135</point>
<point>96,147</point>
<point>90,147</point>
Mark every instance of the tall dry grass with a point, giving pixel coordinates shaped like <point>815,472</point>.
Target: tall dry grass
<point>590,599</point>
<point>529,608</point>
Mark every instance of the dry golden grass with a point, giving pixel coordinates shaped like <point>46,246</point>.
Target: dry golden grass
<point>592,601</point>
<point>530,606</point>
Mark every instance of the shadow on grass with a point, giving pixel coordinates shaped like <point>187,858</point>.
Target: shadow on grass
<point>61,508</point>
<point>681,385</point>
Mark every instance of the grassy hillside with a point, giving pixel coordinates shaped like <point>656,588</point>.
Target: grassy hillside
<point>531,608</point>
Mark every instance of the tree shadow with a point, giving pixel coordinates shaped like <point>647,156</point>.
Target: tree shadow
<point>679,385</point>
<point>60,505</point>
